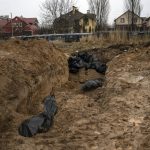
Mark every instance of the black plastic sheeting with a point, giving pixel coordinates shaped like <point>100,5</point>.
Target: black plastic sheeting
<point>41,122</point>
<point>84,60</point>
<point>92,84</point>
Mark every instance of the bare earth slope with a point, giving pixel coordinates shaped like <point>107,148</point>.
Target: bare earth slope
<point>115,117</point>
<point>28,71</point>
<point>127,102</point>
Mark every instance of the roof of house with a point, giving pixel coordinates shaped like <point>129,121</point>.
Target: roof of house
<point>147,19</point>
<point>144,18</point>
<point>128,11</point>
<point>3,22</point>
<point>72,16</point>
<point>91,16</point>
<point>29,20</point>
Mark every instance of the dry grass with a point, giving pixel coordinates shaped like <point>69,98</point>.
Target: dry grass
<point>90,42</point>
<point>115,38</point>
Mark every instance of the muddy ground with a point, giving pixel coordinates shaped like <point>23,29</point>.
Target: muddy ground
<point>114,117</point>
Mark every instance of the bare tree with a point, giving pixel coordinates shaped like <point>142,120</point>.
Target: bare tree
<point>51,9</point>
<point>101,9</point>
<point>137,6</point>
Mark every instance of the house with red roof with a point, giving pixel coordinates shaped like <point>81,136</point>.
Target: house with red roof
<point>3,22</point>
<point>20,26</point>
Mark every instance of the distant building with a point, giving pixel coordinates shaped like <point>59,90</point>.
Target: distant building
<point>4,17</point>
<point>148,23</point>
<point>74,22</point>
<point>124,22</point>
<point>20,26</point>
<point>3,22</point>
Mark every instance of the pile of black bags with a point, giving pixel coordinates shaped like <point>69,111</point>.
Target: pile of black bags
<point>41,122</point>
<point>84,60</point>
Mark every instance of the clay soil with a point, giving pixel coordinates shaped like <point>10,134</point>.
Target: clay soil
<point>114,117</point>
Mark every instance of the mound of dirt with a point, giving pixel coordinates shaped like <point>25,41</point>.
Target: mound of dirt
<point>125,102</point>
<point>114,117</point>
<point>29,71</point>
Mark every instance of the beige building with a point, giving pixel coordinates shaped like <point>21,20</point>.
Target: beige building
<point>87,23</point>
<point>124,21</point>
<point>75,22</point>
<point>148,23</point>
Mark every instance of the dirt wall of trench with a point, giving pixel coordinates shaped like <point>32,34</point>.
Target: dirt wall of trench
<point>29,71</point>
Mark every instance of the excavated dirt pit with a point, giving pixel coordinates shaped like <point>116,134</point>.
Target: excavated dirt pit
<point>114,117</point>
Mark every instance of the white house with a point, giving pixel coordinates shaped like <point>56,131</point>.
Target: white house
<point>124,21</point>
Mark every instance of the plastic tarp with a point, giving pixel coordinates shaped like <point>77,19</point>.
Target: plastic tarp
<point>92,84</point>
<point>85,60</point>
<point>41,122</point>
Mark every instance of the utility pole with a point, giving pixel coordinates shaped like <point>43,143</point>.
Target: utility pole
<point>12,32</point>
<point>132,15</point>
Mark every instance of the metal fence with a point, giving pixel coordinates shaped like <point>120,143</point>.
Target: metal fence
<point>70,37</point>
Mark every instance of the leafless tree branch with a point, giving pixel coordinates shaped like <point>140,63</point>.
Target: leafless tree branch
<point>52,9</point>
<point>137,6</point>
<point>101,9</point>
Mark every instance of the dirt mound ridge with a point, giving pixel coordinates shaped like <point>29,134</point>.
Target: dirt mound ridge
<point>126,102</point>
<point>28,72</point>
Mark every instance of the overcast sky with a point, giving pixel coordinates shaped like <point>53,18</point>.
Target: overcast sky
<point>30,8</point>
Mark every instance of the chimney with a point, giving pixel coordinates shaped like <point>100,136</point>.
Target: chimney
<point>74,9</point>
<point>88,11</point>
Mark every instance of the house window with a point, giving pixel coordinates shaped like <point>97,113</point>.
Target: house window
<point>20,24</point>
<point>122,20</point>
<point>135,20</point>
<point>90,29</point>
<point>86,21</point>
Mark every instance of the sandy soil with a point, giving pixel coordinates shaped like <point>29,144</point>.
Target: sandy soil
<point>28,72</point>
<point>114,117</point>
